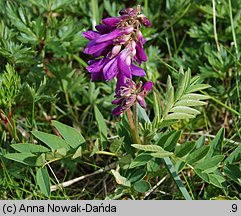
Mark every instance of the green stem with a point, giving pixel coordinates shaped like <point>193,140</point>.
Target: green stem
<point>134,132</point>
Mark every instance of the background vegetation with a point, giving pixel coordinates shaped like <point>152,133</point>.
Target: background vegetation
<point>43,78</point>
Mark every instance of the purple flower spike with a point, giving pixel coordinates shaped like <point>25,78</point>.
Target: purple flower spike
<point>130,94</point>
<point>117,46</point>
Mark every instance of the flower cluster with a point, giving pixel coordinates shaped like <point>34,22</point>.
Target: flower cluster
<point>129,94</point>
<point>117,46</point>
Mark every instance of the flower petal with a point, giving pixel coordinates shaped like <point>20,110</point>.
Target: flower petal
<point>90,35</point>
<point>114,34</point>
<point>121,80</point>
<point>97,65</point>
<point>96,76</point>
<point>137,71</point>
<point>115,51</point>
<point>110,36</point>
<point>141,101</point>
<point>111,69</point>
<point>94,47</point>
<point>117,101</point>
<point>103,29</point>
<point>140,52</point>
<point>147,86</point>
<point>146,21</point>
<point>111,21</point>
<point>117,111</point>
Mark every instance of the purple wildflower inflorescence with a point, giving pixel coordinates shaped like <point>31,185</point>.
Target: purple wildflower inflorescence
<point>129,94</point>
<point>117,45</point>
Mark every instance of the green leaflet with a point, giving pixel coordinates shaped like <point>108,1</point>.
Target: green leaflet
<point>120,179</point>
<point>152,148</point>
<point>184,149</point>
<point>216,144</point>
<point>210,164</point>
<point>25,158</point>
<point>197,154</point>
<point>141,186</point>
<point>29,148</point>
<point>184,109</point>
<point>102,127</point>
<point>140,160</point>
<point>178,116</point>
<point>71,135</point>
<point>53,141</point>
<point>43,181</point>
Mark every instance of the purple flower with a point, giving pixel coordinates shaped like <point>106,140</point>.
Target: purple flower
<point>129,94</point>
<point>118,44</point>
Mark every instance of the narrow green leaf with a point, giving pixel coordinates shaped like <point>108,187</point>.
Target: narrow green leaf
<point>53,141</point>
<point>232,171</point>
<point>43,181</point>
<point>140,160</point>
<point>200,142</point>
<point>137,175</point>
<point>102,127</point>
<point>156,106</point>
<point>125,161</point>
<point>142,114</point>
<point>184,109</point>
<point>141,186</point>
<point>161,154</point>
<point>216,180</point>
<point>178,116</point>
<point>152,148</point>
<point>202,175</point>
<point>169,101</point>
<point>153,165</point>
<point>29,148</point>
<point>71,135</point>
<point>172,140</point>
<point>179,165</point>
<point>25,158</point>
<point>41,159</point>
<point>169,97</point>
<point>216,144</point>
<point>190,103</point>
<point>183,81</point>
<point>234,156</point>
<point>197,154</point>
<point>162,138</point>
<point>210,164</point>
<point>184,149</point>
<point>120,179</point>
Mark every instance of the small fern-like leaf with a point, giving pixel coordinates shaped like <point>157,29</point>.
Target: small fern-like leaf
<point>183,104</point>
